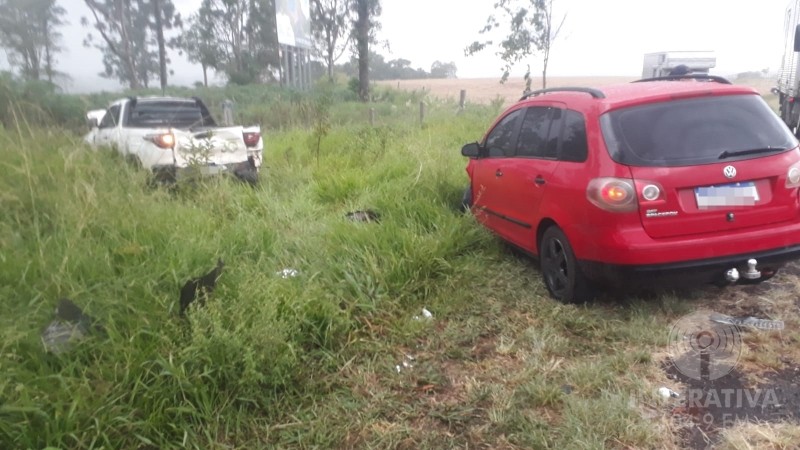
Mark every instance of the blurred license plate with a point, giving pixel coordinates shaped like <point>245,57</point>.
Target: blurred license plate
<point>734,194</point>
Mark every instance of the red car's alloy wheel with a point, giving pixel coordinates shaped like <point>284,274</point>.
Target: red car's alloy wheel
<point>560,270</point>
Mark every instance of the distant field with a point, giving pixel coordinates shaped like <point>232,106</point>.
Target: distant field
<point>484,90</point>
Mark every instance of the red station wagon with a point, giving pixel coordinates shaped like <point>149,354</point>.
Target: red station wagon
<point>676,179</point>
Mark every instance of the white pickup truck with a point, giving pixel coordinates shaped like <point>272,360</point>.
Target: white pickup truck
<point>167,135</point>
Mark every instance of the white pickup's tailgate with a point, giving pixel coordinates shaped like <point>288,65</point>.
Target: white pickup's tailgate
<point>219,146</point>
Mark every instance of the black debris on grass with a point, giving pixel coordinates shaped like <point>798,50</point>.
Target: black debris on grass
<point>197,289</point>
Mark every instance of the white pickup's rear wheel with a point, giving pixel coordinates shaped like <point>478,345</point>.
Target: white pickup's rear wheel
<point>247,173</point>
<point>134,161</point>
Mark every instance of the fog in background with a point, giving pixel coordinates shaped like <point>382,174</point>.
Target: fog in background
<point>598,38</point>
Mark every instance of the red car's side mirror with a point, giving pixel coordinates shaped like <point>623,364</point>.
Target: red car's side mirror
<point>472,150</point>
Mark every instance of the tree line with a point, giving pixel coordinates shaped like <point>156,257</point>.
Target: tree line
<point>238,38</point>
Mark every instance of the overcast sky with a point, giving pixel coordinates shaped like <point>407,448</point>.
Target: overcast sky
<point>600,37</point>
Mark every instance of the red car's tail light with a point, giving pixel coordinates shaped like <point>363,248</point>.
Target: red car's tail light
<point>251,138</point>
<point>793,176</point>
<point>162,140</point>
<point>651,192</point>
<point>612,194</point>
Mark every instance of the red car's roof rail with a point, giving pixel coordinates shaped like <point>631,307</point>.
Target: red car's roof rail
<point>593,92</point>
<point>698,76</point>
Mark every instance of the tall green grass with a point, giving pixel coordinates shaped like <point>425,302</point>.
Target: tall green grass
<point>81,224</point>
<point>306,361</point>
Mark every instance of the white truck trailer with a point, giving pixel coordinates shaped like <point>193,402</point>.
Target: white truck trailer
<point>788,89</point>
<point>659,64</point>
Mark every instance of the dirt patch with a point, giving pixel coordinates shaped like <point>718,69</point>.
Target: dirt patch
<point>709,406</point>
<point>763,389</point>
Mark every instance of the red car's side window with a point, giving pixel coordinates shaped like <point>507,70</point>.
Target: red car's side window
<point>539,135</point>
<point>574,146</point>
<point>502,141</point>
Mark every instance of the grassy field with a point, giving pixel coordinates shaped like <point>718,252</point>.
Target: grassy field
<point>340,356</point>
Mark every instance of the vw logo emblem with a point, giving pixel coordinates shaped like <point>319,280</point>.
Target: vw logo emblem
<point>729,171</point>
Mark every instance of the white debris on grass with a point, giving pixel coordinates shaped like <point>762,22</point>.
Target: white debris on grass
<point>287,273</point>
<point>666,392</point>
<point>425,315</point>
<point>407,363</point>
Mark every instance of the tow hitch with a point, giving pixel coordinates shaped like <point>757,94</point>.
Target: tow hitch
<point>750,276</point>
<point>752,273</point>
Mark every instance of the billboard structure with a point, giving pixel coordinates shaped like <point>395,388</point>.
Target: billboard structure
<point>293,19</point>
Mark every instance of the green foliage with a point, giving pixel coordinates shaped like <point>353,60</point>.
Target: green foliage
<point>330,21</point>
<point>82,224</point>
<point>443,70</point>
<point>398,69</point>
<point>307,361</point>
<point>252,53</point>
<point>321,117</point>
<point>352,85</point>
<point>274,108</point>
<point>38,103</point>
<point>197,41</point>
<point>127,35</point>
<point>365,28</point>
<point>531,30</point>
<point>29,36</point>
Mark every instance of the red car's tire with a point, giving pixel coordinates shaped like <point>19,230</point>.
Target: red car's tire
<point>466,199</point>
<point>560,270</point>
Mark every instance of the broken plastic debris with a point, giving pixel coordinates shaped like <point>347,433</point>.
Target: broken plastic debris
<point>407,363</point>
<point>69,326</point>
<point>425,314</point>
<point>666,392</point>
<point>755,322</point>
<point>366,215</point>
<point>59,336</point>
<point>287,273</point>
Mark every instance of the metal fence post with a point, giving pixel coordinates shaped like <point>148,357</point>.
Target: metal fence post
<point>227,112</point>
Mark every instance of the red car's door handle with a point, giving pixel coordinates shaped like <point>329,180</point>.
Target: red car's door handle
<point>539,180</point>
<point>499,173</point>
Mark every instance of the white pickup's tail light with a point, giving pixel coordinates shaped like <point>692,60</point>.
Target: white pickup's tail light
<point>793,176</point>
<point>162,140</point>
<point>613,194</point>
<point>251,138</point>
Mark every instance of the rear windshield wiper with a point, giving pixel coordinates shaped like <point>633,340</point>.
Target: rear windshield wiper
<point>752,151</point>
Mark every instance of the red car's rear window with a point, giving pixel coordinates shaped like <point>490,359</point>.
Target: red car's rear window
<point>695,131</point>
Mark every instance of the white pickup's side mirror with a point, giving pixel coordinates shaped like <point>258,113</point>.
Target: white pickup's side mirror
<point>94,117</point>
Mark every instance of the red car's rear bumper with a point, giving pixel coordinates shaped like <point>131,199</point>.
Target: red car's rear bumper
<point>689,272</point>
<point>634,256</point>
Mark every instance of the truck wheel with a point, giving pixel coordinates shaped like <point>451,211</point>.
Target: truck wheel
<point>247,173</point>
<point>134,161</point>
<point>562,275</point>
